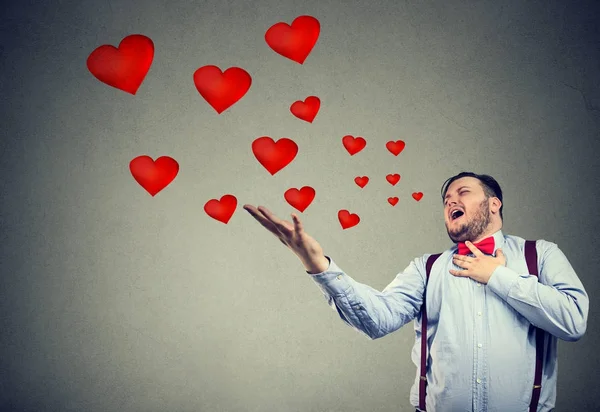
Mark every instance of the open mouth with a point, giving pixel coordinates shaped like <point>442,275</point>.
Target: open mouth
<point>456,215</point>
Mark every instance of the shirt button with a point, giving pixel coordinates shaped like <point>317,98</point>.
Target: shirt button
<point>479,345</point>
<point>478,380</point>
<point>339,277</point>
<point>478,313</point>
<point>478,284</point>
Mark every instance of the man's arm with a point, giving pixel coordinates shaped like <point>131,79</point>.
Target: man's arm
<point>558,303</point>
<point>368,310</point>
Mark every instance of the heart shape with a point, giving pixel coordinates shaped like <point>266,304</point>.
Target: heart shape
<point>296,41</point>
<point>417,196</point>
<point>274,156</point>
<point>393,178</point>
<point>152,175</point>
<point>347,220</point>
<point>222,89</point>
<point>300,199</point>
<point>124,67</point>
<point>307,109</point>
<point>221,210</point>
<point>393,200</point>
<point>395,147</point>
<point>361,181</point>
<point>353,145</point>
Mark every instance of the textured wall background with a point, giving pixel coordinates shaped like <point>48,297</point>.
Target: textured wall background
<point>112,300</point>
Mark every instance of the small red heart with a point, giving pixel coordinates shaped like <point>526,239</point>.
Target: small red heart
<point>361,181</point>
<point>353,145</point>
<point>393,200</point>
<point>152,175</point>
<point>395,147</point>
<point>417,196</point>
<point>347,219</point>
<point>300,199</point>
<point>221,210</point>
<point>222,89</point>
<point>274,156</point>
<point>124,67</point>
<point>307,109</point>
<point>393,179</point>
<point>296,41</point>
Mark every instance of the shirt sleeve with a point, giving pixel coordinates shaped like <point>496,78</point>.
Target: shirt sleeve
<point>557,303</point>
<point>367,310</point>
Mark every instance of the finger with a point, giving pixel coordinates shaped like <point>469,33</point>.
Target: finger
<point>458,272</point>
<point>297,224</point>
<point>262,220</point>
<point>460,260</point>
<point>473,248</point>
<point>279,224</point>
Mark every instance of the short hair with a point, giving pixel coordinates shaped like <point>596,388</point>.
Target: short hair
<point>490,186</point>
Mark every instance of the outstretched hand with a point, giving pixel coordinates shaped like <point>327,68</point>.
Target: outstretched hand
<point>292,235</point>
<point>480,267</point>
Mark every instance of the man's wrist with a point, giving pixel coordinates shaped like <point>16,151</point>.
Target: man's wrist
<point>317,267</point>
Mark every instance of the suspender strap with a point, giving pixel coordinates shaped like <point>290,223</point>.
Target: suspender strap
<point>423,371</point>
<point>531,258</point>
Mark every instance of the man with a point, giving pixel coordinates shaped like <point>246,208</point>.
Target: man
<point>481,308</point>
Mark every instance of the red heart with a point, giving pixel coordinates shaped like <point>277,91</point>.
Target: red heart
<point>353,145</point>
<point>152,175</point>
<point>393,200</point>
<point>222,89</point>
<point>347,220</point>
<point>300,199</point>
<point>221,210</point>
<point>296,41</point>
<point>361,181</point>
<point>124,67</point>
<point>306,110</point>
<point>274,156</point>
<point>395,147</point>
<point>393,179</point>
<point>417,196</point>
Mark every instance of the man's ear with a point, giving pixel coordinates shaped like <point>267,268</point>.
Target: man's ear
<point>496,204</point>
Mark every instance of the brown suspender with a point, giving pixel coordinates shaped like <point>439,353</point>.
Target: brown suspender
<point>531,259</point>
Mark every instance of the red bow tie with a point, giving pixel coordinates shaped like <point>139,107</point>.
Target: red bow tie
<point>486,246</point>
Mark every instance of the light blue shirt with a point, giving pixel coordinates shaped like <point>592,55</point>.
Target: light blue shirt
<point>480,339</point>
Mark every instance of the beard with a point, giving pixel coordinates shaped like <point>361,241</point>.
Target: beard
<point>472,229</point>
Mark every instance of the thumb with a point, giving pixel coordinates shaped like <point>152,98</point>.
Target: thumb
<point>499,252</point>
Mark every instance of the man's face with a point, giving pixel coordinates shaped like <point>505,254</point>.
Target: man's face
<point>467,195</point>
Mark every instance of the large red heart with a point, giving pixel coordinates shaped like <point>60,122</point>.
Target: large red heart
<point>300,199</point>
<point>417,196</point>
<point>152,175</point>
<point>395,147</point>
<point>124,67</point>
<point>393,200</point>
<point>221,210</point>
<point>347,220</point>
<point>353,145</point>
<point>361,181</point>
<point>307,109</point>
<point>393,178</point>
<point>274,156</point>
<point>222,89</point>
<point>296,41</point>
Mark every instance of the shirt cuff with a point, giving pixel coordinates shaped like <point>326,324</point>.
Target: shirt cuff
<point>333,280</point>
<point>502,281</point>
